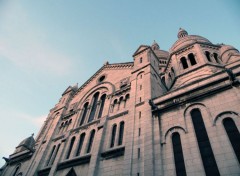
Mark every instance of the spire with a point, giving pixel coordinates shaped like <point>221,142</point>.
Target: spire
<point>182,33</point>
<point>155,45</point>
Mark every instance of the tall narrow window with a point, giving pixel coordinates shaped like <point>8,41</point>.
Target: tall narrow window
<point>140,114</point>
<point>209,162</point>
<point>233,135</point>
<point>103,98</point>
<point>120,103</point>
<point>121,132</point>
<point>50,156</point>
<point>140,60</point>
<point>114,105</point>
<point>192,59</point>
<point>208,56</point>
<point>114,129</point>
<point>70,147</point>
<point>169,76</point>
<point>139,153</point>
<point>85,109</point>
<point>82,137</point>
<point>126,100</point>
<point>139,131</point>
<point>216,57</point>
<point>90,141</point>
<point>178,155</point>
<point>16,170</point>
<point>55,154</point>
<point>94,107</point>
<point>184,62</point>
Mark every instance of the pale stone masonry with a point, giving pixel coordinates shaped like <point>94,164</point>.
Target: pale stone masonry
<point>165,113</point>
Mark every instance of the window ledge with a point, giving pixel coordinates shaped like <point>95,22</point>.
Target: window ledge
<point>44,171</point>
<point>112,153</point>
<point>74,162</point>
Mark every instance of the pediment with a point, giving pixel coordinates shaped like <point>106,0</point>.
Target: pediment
<point>140,49</point>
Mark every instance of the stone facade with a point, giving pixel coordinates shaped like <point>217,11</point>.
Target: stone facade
<point>165,113</point>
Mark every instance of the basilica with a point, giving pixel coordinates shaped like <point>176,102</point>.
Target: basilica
<point>164,113</point>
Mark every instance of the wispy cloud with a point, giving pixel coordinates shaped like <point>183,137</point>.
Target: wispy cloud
<point>26,45</point>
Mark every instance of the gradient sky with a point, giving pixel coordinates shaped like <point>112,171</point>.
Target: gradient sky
<point>47,45</point>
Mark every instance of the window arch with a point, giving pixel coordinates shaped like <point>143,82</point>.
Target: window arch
<point>82,137</point>
<point>120,103</point>
<point>70,147</point>
<point>126,99</point>
<point>233,135</point>
<point>50,156</point>
<point>192,59</point>
<point>178,155</point>
<point>85,109</point>
<point>94,107</point>
<point>215,55</point>
<point>121,132</point>
<point>184,62</point>
<point>208,159</point>
<point>169,76</point>
<point>114,105</point>
<point>103,98</point>
<point>92,134</point>
<point>208,56</point>
<point>114,130</point>
<point>54,155</point>
<point>16,170</point>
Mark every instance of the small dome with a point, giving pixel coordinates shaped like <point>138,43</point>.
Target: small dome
<point>184,39</point>
<point>182,33</point>
<point>155,45</point>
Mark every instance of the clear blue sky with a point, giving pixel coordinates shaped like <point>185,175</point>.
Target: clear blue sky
<point>47,45</point>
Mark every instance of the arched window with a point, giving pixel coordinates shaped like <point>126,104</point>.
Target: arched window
<point>215,55</point>
<point>70,147</point>
<point>90,141</point>
<point>209,162</point>
<point>233,135</point>
<point>178,155</point>
<point>114,129</point>
<point>120,102</point>
<point>103,98</point>
<point>172,70</point>
<point>208,56</point>
<point>184,62</point>
<point>192,59</point>
<point>85,109</point>
<point>16,170</point>
<point>50,156</point>
<point>121,132</point>
<point>163,80</point>
<point>54,155</point>
<point>140,60</point>
<point>126,99</point>
<point>114,105</point>
<point>169,76</point>
<point>82,137</point>
<point>94,107</point>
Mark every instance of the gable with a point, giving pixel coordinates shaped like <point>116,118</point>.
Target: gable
<point>140,49</point>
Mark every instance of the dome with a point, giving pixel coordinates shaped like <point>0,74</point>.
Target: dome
<point>184,39</point>
<point>161,53</point>
<point>225,48</point>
